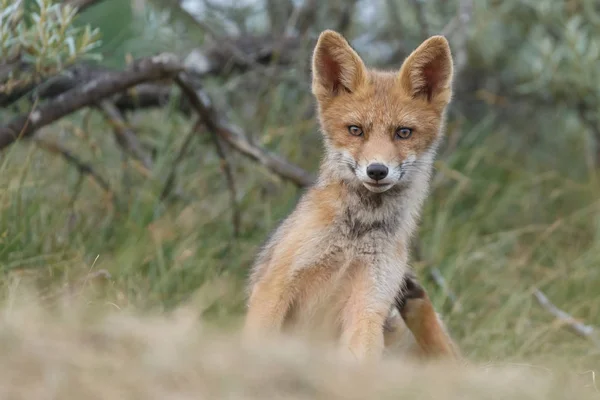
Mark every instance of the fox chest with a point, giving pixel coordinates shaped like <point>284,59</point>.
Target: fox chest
<point>328,276</point>
<point>352,240</point>
<point>354,237</point>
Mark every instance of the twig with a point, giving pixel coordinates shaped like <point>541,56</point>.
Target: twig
<point>436,276</point>
<point>125,182</point>
<point>148,69</point>
<point>170,181</point>
<point>76,191</point>
<point>83,167</point>
<point>236,137</point>
<point>125,137</point>
<point>213,59</point>
<point>72,217</point>
<point>236,52</point>
<point>226,167</point>
<point>243,53</point>
<point>593,374</point>
<point>575,326</point>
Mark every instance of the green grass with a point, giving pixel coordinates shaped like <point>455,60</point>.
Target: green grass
<point>500,222</point>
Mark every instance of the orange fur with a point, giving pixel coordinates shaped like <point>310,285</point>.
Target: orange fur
<point>424,323</point>
<point>416,316</point>
<point>335,266</point>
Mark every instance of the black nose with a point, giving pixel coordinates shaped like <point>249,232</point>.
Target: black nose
<point>377,171</point>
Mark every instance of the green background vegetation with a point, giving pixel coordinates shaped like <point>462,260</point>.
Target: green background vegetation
<point>514,206</point>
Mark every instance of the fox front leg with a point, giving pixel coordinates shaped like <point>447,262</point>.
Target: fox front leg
<point>267,307</point>
<point>363,318</point>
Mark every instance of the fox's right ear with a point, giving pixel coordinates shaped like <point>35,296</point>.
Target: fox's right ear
<point>336,66</point>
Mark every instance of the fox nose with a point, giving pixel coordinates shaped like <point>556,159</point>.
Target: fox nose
<point>377,171</point>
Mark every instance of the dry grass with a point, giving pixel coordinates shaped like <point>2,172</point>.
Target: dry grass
<point>78,351</point>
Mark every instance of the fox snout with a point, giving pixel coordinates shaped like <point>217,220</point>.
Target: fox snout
<point>377,171</point>
<point>378,176</point>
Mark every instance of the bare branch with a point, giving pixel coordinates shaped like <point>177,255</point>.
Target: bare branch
<point>436,275</point>
<point>170,181</point>
<point>579,328</point>
<point>83,167</point>
<point>242,54</point>
<point>125,137</point>
<point>148,69</point>
<point>226,42</point>
<point>236,137</point>
<point>226,168</point>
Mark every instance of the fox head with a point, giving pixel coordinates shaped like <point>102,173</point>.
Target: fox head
<point>380,127</point>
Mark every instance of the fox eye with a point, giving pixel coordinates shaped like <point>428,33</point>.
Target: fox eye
<point>355,130</point>
<point>403,133</point>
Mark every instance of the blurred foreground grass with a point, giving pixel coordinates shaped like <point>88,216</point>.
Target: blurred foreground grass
<point>500,222</point>
<point>74,352</point>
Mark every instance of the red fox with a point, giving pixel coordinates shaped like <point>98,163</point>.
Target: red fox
<point>336,267</point>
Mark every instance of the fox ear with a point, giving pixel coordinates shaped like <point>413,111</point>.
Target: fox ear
<point>427,72</point>
<point>336,66</point>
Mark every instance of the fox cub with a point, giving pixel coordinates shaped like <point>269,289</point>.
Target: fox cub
<point>336,268</point>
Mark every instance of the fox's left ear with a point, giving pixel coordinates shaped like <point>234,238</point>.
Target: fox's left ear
<point>427,72</point>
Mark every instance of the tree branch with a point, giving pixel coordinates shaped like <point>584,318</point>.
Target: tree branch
<point>435,275</point>
<point>236,137</point>
<point>83,167</point>
<point>240,55</point>
<point>125,137</point>
<point>226,168</point>
<point>575,326</point>
<point>170,181</point>
<point>148,69</point>
<point>103,85</point>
